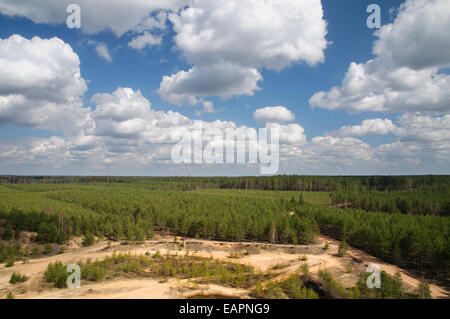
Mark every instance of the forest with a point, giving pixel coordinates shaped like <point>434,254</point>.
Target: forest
<point>403,220</point>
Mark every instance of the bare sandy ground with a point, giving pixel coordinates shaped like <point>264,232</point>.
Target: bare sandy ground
<point>408,279</point>
<point>282,260</point>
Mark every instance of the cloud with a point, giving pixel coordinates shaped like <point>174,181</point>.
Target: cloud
<point>289,134</point>
<point>420,24</point>
<point>223,80</point>
<point>429,133</point>
<point>403,77</point>
<point>102,51</point>
<point>126,114</point>
<point>277,114</point>
<point>144,40</point>
<point>96,16</point>
<point>227,44</point>
<point>420,138</point>
<point>211,35</point>
<point>153,22</point>
<point>368,127</point>
<point>337,150</point>
<point>208,107</point>
<point>41,84</point>
<point>128,134</point>
<point>237,31</point>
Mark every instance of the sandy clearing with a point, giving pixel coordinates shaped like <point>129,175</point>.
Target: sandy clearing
<point>264,258</point>
<point>366,259</point>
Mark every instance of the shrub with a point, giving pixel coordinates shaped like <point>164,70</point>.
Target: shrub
<point>47,233</point>
<point>343,247</point>
<point>56,274</point>
<point>35,251</point>
<point>423,290</point>
<point>7,233</point>
<point>16,278</point>
<point>10,262</point>
<point>140,234</point>
<point>88,240</point>
<point>349,269</point>
<point>304,268</point>
<point>10,296</point>
<point>47,249</point>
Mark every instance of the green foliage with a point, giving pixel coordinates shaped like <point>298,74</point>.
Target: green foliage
<point>9,253</point>
<point>88,240</point>
<point>47,233</point>
<point>167,266</point>
<point>9,262</point>
<point>413,242</point>
<point>10,295</point>
<point>343,247</point>
<point>47,249</point>
<point>56,274</point>
<point>304,268</point>
<point>349,269</point>
<point>35,252</point>
<point>391,288</point>
<point>291,288</point>
<point>7,233</point>
<point>423,290</point>
<point>423,200</point>
<point>332,287</point>
<point>16,278</point>
<point>219,208</point>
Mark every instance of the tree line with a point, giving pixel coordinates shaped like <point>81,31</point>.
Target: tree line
<point>277,183</point>
<point>424,200</point>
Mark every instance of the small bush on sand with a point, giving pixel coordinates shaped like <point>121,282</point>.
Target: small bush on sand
<point>16,278</point>
<point>88,240</point>
<point>10,263</point>
<point>56,274</point>
<point>423,290</point>
<point>343,247</point>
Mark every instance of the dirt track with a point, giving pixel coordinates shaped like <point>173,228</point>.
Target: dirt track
<point>280,259</point>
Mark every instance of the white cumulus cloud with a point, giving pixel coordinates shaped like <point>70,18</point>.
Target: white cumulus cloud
<point>144,40</point>
<point>116,15</point>
<point>404,77</point>
<point>228,42</point>
<point>223,80</point>
<point>277,114</point>
<point>41,84</point>
<point>369,127</point>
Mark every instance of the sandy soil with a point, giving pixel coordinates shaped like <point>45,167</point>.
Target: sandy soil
<point>282,260</point>
<point>408,279</point>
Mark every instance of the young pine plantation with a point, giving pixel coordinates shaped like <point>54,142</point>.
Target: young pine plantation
<point>403,221</point>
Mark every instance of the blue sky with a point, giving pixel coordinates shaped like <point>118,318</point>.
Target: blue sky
<point>397,141</point>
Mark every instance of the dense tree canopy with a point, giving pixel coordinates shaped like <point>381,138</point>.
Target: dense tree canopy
<point>403,220</point>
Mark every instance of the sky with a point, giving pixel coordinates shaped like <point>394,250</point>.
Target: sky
<point>114,96</point>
